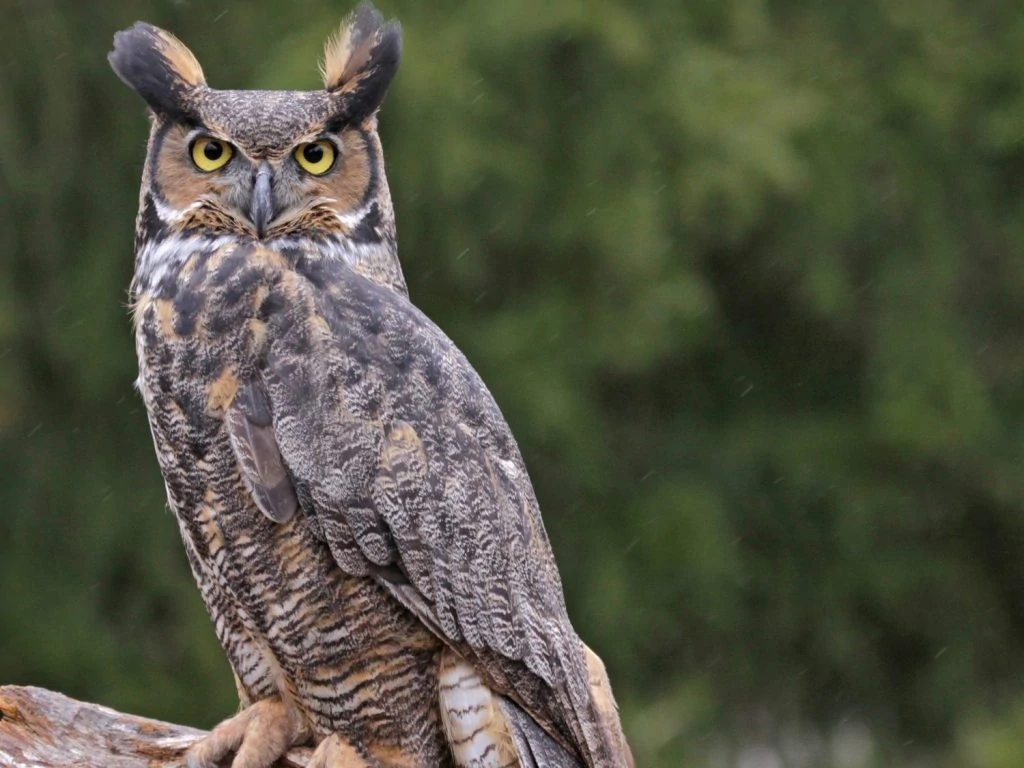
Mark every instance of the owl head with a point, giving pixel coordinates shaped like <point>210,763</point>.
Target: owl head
<point>293,169</point>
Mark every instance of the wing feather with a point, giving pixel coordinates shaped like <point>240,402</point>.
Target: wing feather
<point>252,439</point>
<point>535,748</point>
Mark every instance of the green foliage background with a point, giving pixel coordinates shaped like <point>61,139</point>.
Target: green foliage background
<point>746,278</point>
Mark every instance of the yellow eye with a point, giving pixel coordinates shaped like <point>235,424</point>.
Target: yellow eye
<point>316,157</point>
<point>210,154</point>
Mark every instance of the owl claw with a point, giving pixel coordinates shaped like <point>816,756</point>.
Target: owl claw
<point>258,736</point>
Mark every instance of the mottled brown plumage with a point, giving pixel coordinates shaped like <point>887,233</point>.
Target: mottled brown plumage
<point>354,508</point>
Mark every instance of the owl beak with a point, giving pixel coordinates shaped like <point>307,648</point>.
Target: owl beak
<point>261,211</point>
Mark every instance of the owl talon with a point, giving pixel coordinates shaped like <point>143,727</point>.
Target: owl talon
<point>258,736</point>
<point>332,752</point>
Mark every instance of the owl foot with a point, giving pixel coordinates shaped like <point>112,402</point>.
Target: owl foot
<point>258,735</point>
<point>335,753</point>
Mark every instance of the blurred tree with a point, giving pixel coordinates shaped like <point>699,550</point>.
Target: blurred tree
<point>744,277</point>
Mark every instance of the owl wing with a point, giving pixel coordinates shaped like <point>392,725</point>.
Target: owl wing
<point>407,469</point>
<point>534,746</point>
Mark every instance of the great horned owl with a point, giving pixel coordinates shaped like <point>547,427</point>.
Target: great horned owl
<point>354,508</point>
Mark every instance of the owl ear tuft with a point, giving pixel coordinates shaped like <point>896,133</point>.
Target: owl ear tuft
<point>361,60</point>
<point>158,66</point>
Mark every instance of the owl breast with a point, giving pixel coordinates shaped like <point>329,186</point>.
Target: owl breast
<point>345,653</point>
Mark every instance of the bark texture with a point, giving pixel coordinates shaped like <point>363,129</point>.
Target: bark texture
<point>40,728</point>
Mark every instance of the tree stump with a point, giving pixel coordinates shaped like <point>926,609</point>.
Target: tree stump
<point>40,729</point>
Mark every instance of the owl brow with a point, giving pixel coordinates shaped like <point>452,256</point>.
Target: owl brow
<point>195,129</point>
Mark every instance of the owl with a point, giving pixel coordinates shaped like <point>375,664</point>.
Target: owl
<point>353,506</point>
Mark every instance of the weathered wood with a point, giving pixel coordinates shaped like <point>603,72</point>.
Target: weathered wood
<point>40,729</point>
